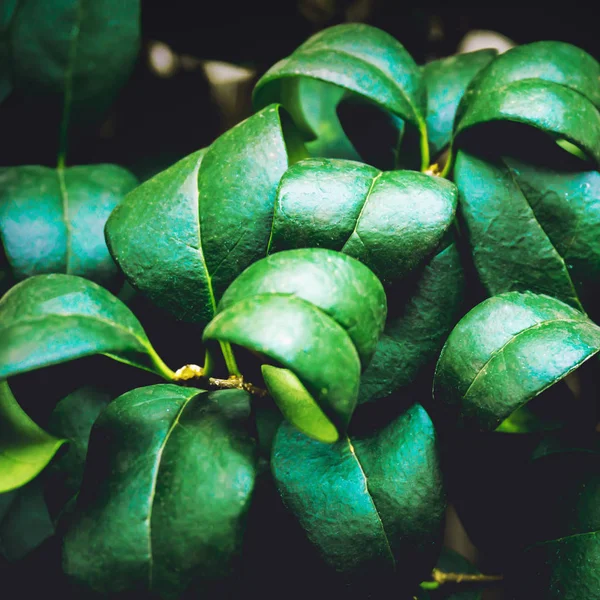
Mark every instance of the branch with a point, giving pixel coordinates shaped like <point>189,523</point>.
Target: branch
<point>193,372</point>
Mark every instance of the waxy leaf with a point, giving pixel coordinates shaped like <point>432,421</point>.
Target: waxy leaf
<point>25,522</point>
<point>183,236</point>
<point>177,472</point>
<point>7,11</point>
<point>371,505</point>
<point>560,538</point>
<point>420,318</point>
<point>72,419</point>
<point>505,352</point>
<point>339,286</point>
<point>364,62</point>
<point>446,80</point>
<point>391,221</point>
<point>52,220</point>
<point>315,312</point>
<point>551,86</point>
<point>25,448</point>
<point>49,319</point>
<point>79,50</point>
<point>532,228</point>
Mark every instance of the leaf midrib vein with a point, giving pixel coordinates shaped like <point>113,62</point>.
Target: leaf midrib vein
<point>366,480</point>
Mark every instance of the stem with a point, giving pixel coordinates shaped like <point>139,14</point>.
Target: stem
<point>441,577</point>
<point>230,362</point>
<point>424,146</point>
<point>449,163</point>
<point>235,382</point>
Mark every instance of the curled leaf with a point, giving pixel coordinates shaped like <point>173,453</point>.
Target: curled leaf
<point>360,60</point>
<point>315,312</point>
<point>551,86</point>
<point>384,498</point>
<point>183,236</point>
<point>153,522</point>
<point>506,351</point>
<point>391,221</point>
<point>49,319</point>
<point>25,448</point>
<point>532,228</point>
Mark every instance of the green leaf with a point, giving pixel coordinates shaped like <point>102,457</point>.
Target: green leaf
<point>52,220</point>
<point>7,11</point>
<point>78,52</point>
<point>49,319</point>
<point>391,221</point>
<point>551,86</point>
<point>371,505</point>
<point>339,286</point>
<point>25,448</point>
<point>364,62</point>
<point>315,312</point>
<point>169,477</point>
<point>72,419</point>
<point>25,522</point>
<point>505,352</point>
<point>561,554</point>
<point>532,228</point>
<point>419,321</point>
<point>201,222</point>
<point>446,80</point>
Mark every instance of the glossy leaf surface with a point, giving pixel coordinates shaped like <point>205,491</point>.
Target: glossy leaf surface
<point>79,50</point>
<point>446,80</point>
<point>49,319</point>
<point>532,228</point>
<point>560,558</point>
<point>201,222</point>
<point>154,520</point>
<point>391,221</point>
<point>341,287</point>
<point>362,60</point>
<point>551,86</point>
<point>506,351</point>
<point>52,220</point>
<point>371,505</point>
<point>24,521</point>
<point>315,312</point>
<point>73,419</point>
<point>420,318</point>
<point>25,448</point>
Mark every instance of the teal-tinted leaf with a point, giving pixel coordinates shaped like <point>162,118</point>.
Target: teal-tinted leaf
<point>7,11</point>
<point>505,352</point>
<point>72,419</point>
<point>391,221</point>
<point>183,236</point>
<point>419,321</point>
<point>300,337</point>
<point>551,86</point>
<point>79,50</point>
<point>446,80</point>
<point>169,477</point>
<point>560,559</point>
<point>371,505</point>
<point>315,312</point>
<point>532,228</point>
<point>49,319</point>
<point>341,287</point>
<point>52,220</point>
<point>25,522</point>
<point>25,448</point>
<point>366,63</point>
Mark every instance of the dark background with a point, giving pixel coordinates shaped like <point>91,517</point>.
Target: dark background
<point>157,120</point>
